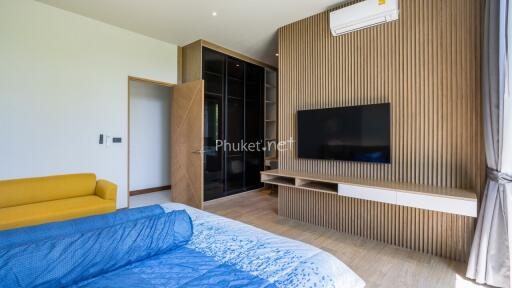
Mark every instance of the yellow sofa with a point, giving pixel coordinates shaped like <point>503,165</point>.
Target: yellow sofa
<point>32,201</point>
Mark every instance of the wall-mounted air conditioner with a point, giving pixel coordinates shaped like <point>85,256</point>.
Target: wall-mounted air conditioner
<point>362,15</point>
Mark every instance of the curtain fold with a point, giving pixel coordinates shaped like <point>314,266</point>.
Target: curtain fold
<point>490,256</point>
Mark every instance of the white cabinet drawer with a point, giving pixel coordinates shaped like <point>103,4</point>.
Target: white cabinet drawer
<point>367,193</point>
<point>440,204</point>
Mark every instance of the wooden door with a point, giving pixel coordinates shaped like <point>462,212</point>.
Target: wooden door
<point>187,127</point>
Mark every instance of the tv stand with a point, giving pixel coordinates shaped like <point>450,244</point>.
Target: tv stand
<point>448,200</point>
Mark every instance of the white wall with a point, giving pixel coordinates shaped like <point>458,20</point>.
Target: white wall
<point>63,81</point>
<point>150,110</point>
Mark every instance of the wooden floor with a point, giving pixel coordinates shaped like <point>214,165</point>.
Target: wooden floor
<point>378,264</point>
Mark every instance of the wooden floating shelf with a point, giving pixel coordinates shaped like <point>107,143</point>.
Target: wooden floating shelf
<point>282,181</point>
<point>448,200</point>
<point>317,186</point>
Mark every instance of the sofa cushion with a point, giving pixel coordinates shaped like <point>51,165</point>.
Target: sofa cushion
<point>34,190</point>
<point>52,211</point>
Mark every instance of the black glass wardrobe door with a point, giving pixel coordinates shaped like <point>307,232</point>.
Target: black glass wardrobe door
<point>213,67</point>
<point>254,160</point>
<point>234,115</point>
<point>235,126</point>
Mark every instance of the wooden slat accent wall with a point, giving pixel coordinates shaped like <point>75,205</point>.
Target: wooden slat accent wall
<point>427,65</point>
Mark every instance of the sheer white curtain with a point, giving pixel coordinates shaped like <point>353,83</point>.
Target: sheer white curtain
<point>490,256</point>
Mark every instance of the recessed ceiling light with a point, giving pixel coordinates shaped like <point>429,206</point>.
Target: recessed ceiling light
<point>277,54</point>
<point>214,13</point>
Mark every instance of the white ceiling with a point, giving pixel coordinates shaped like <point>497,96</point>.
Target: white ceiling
<point>246,26</point>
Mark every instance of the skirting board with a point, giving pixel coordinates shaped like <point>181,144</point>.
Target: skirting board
<point>150,190</point>
<point>437,233</point>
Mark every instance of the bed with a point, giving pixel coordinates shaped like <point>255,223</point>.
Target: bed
<point>169,245</point>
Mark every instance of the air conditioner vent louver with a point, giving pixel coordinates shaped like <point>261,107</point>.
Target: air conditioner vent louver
<point>362,14</point>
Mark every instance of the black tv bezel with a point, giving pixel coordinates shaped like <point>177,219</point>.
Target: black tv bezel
<point>338,107</point>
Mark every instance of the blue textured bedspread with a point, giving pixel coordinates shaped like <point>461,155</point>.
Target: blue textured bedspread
<point>176,246</point>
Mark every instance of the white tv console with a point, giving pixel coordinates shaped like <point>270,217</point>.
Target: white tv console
<point>448,200</point>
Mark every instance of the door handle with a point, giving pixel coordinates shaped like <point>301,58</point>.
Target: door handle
<point>200,151</point>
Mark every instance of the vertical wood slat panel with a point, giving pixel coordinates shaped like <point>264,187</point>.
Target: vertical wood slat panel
<point>427,65</point>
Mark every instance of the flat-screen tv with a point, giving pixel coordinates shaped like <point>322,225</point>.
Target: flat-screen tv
<point>356,133</point>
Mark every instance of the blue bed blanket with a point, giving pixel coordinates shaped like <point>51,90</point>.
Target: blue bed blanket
<point>169,246</point>
<point>85,253</point>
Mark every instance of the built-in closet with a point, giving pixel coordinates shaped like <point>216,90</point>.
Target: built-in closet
<point>234,114</point>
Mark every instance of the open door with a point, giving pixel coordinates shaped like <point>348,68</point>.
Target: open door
<point>187,127</point>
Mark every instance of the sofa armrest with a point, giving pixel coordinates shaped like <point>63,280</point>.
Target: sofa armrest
<point>106,190</point>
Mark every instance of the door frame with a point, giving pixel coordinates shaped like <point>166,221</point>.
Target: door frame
<point>148,81</point>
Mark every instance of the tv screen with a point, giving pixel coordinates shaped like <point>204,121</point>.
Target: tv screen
<point>357,133</point>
